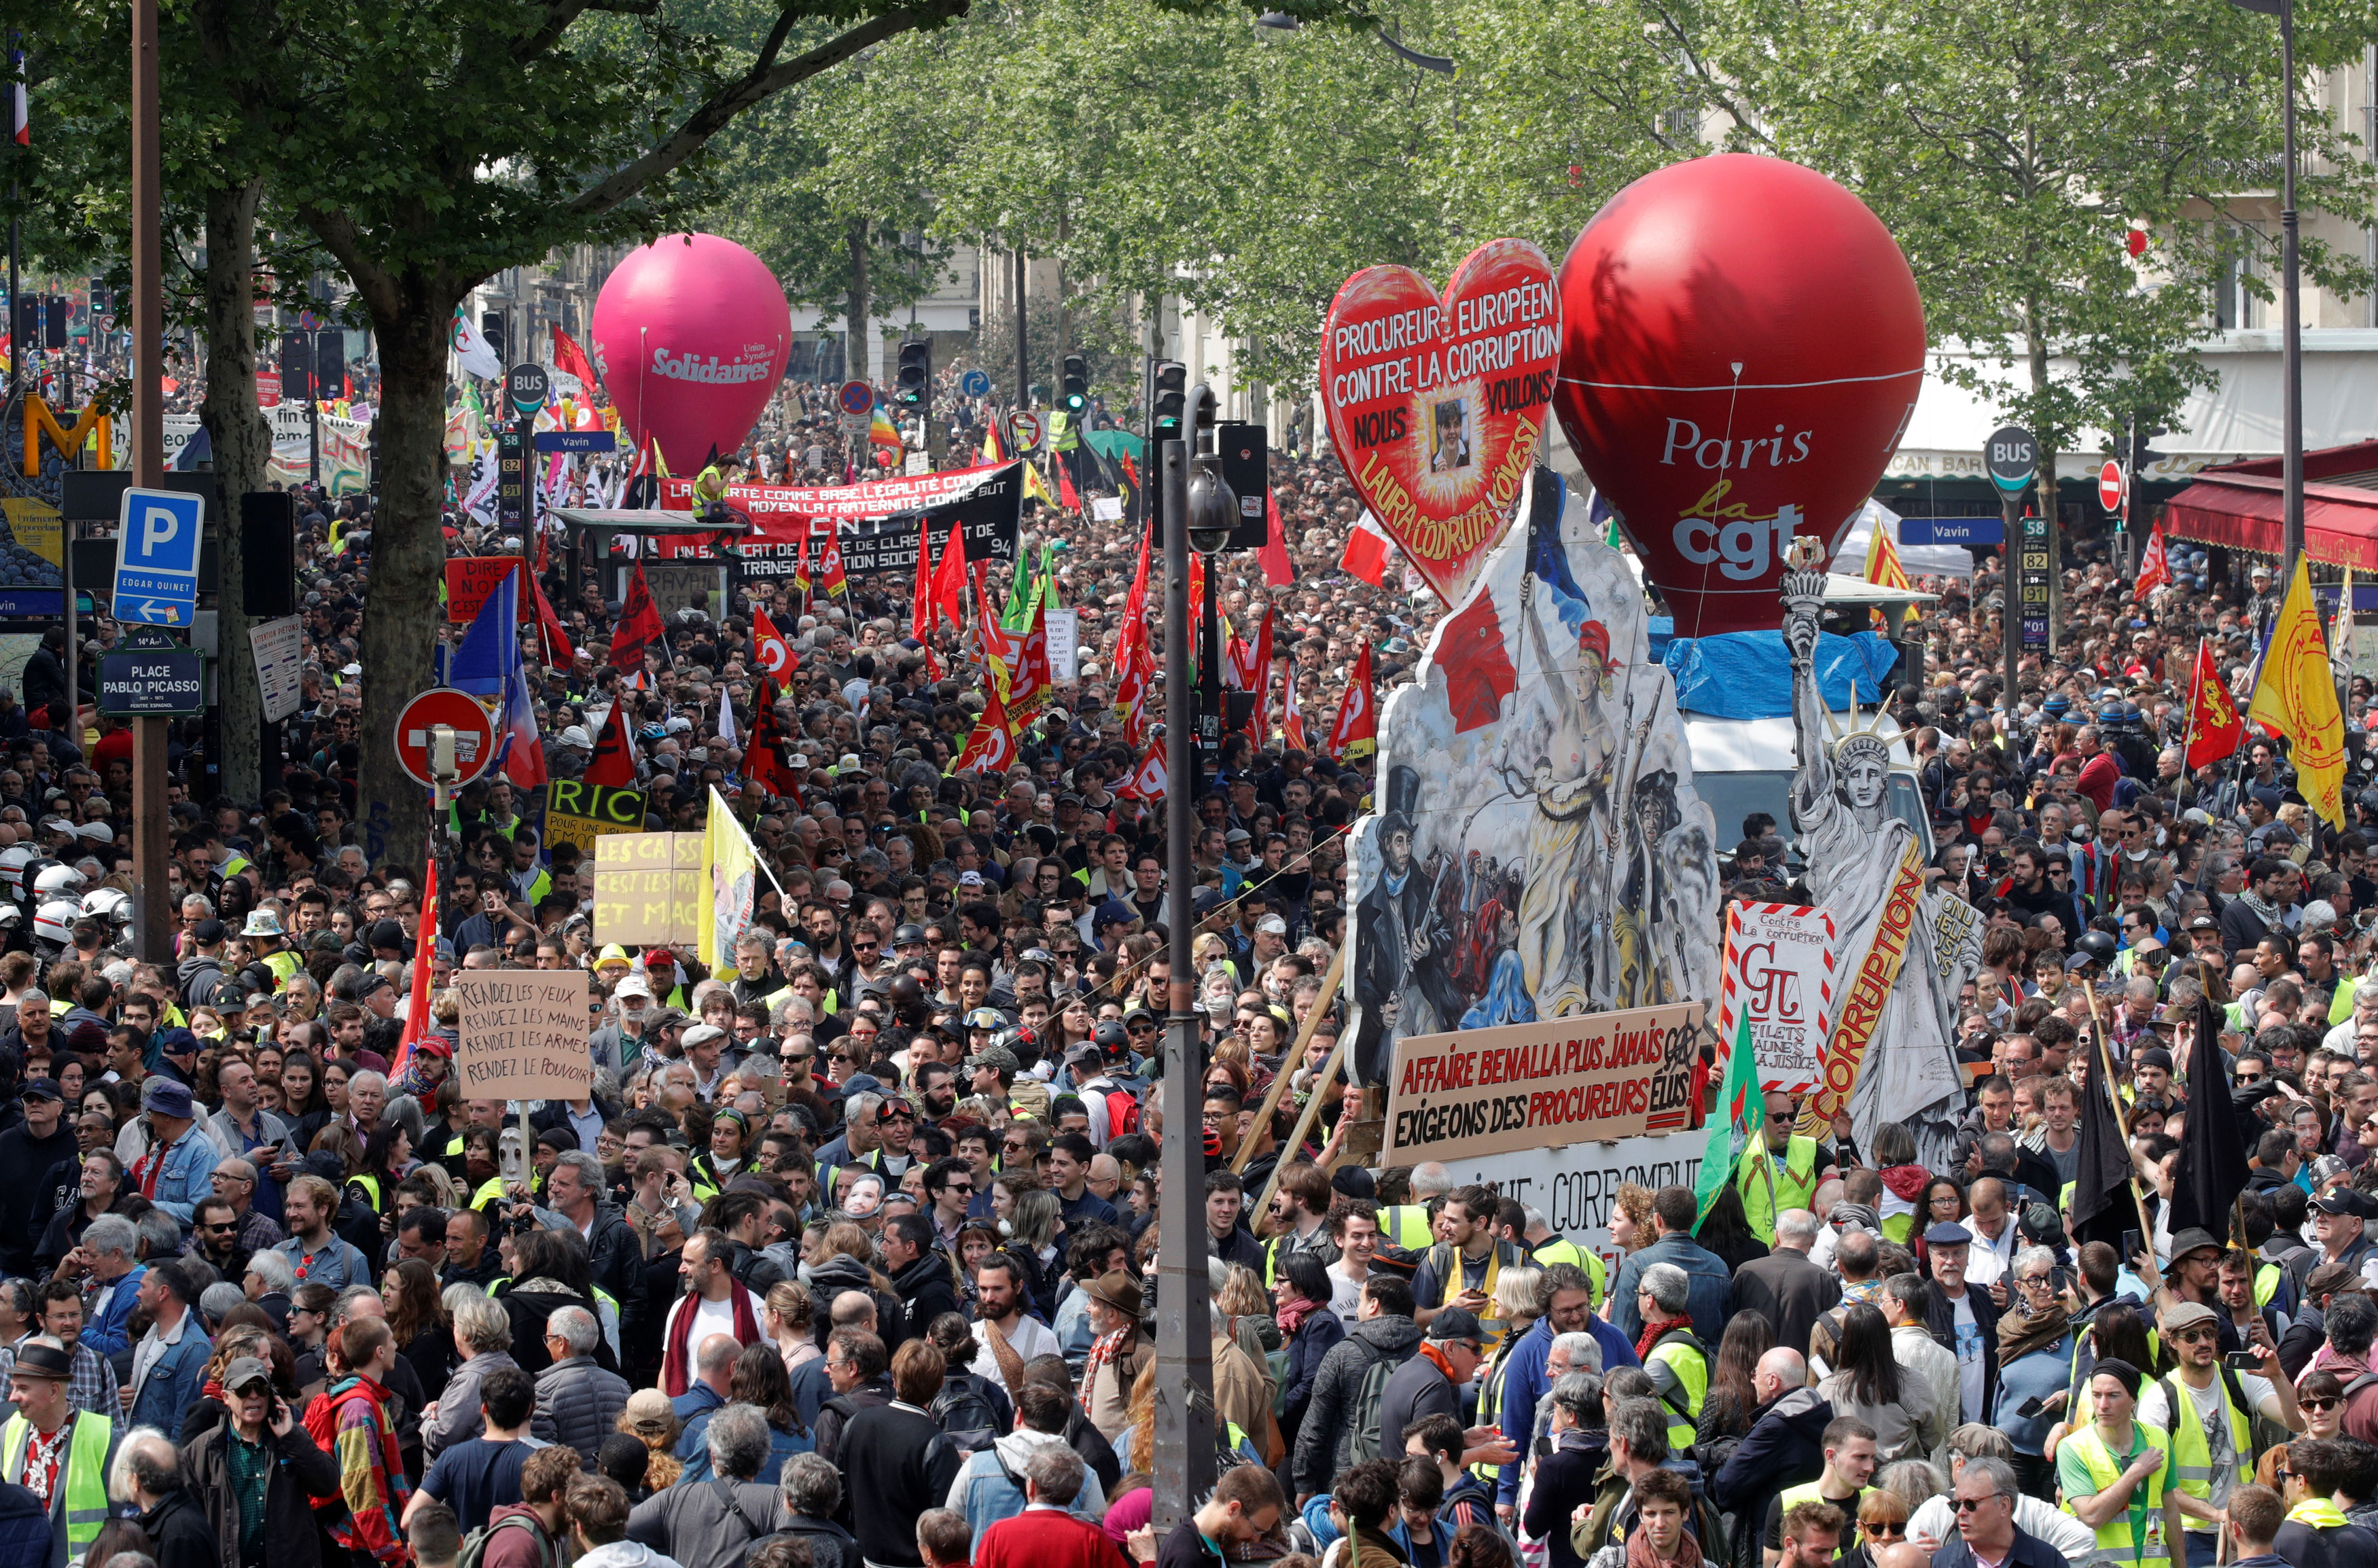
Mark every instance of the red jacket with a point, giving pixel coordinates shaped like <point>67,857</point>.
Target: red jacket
<point>1047,1537</point>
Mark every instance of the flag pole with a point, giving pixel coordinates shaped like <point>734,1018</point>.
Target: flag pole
<point>2121,1122</point>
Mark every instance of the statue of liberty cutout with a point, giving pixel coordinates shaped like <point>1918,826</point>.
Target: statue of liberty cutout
<point>1903,951</point>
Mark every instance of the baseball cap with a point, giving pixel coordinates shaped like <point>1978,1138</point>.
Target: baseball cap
<point>208,933</point>
<point>1114,911</point>
<point>1456,1324</point>
<point>244,1370</point>
<point>1273,925</point>
<point>633,985</point>
<point>43,1089</point>
<point>2343,1201</point>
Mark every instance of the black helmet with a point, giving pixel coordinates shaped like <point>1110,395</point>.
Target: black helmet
<point>2098,947</point>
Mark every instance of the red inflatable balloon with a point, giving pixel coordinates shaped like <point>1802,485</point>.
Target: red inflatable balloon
<point>690,337</point>
<point>1742,345</point>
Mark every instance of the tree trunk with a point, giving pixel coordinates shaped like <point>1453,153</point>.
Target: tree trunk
<point>863,364</point>
<point>241,439</point>
<point>401,617</point>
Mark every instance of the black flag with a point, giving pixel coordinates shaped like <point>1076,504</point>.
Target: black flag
<point>2211,1169</point>
<point>2102,1208</point>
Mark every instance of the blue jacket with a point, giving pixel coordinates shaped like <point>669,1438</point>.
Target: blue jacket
<point>184,1182</point>
<point>1712,1285</point>
<point>1525,1384</point>
<point>1314,1337</point>
<point>106,1332</point>
<point>172,1386</point>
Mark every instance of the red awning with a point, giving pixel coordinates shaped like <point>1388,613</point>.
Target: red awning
<point>2240,506</point>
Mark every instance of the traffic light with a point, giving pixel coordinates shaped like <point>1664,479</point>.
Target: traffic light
<point>297,366</point>
<point>914,385</point>
<point>1172,396</point>
<point>1075,400</point>
<point>99,300</point>
<point>2139,452</point>
<point>491,327</point>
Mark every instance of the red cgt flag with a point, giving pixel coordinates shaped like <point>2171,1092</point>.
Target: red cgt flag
<point>2215,730</point>
<point>1146,781</point>
<point>1356,733</point>
<point>769,648</point>
<point>2155,565</point>
<point>613,765</point>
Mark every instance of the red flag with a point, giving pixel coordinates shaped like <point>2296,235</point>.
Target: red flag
<point>993,746</point>
<point>2215,730</point>
<point>1367,552</point>
<point>1238,663</point>
<point>765,764</point>
<point>950,579</point>
<point>1478,673</point>
<point>920,596</point>
<point>425,949</point>
<point>1356,733</point>
<point>613,766</point>
<point>1259,723</point>
<point>558,649</point>
<point>1131,638</point>
<point>1146,781</point>
<point>639,625</point>
<point>570,359</point>
<point>2155,565</point>
<point>1035,680</point>
<point>769,648</point>
<point>1067,497</point>
<point>830,568</point>
<point>1278,570</point>
<point>1137,680</point>
<point>1292,728</point>
<point>801,566</point>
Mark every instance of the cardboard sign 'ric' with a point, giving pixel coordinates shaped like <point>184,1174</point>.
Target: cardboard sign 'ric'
<point>1741,346</point>
<point>1437,403</point>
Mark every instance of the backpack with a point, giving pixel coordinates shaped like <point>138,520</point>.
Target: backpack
<point>964,1414</point>
<point>1122,1113</point>
<point>1367,1396</point>
<point>475,1549</point>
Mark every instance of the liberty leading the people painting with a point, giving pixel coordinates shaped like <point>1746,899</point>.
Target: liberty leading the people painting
<point>1537,848</point>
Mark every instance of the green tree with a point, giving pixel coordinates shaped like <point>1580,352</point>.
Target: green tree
<point>2011,147</point>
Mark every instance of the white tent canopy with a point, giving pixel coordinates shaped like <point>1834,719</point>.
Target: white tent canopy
<point>1921,560</point>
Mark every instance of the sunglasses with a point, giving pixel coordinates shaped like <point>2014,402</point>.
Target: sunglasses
<point>2321,1403</point>
<point>1967,1504</point>
<point>1885,1528</point>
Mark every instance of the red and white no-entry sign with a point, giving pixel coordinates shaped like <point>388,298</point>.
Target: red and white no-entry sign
<point>475,733</point>
<point>2112,483</point>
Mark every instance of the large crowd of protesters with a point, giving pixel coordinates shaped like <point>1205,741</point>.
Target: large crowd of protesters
<point>846,1260</point>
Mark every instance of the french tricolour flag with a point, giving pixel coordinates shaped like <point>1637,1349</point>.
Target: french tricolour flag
<point>20,112</point>
<point>1367,550</point>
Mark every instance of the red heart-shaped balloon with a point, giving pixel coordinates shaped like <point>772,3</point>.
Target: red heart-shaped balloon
<point>1742,345</point>
<point>1435,404</point>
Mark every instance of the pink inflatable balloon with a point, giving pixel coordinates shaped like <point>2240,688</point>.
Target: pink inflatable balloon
<point>690,337</point>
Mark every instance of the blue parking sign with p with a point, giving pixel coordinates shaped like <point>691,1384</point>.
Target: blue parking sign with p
<point>156,541</point>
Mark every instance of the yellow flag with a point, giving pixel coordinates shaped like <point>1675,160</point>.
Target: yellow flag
<point>730,862</point>
<point>1037,488</point>
<point>2296,695</point>
<point>1884,570</point>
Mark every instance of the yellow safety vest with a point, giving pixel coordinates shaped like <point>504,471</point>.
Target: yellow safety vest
<point>1682,1355</point>
<point>1795,1183</point>
<point>2192,1459</point>
<point>1561,1250</point>
<point>370,1184</point>
<point>86,1473</point>
<point>2122,1543</point>
<point>1449,1282</point>
<point>1807,1492</point>
<point>1405,1224</point>
<point>286,965</point>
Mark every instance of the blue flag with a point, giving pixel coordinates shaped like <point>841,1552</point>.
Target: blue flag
<point>483,665</point>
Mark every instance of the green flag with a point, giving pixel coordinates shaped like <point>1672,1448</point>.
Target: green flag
<point>1735,1125</point>
<point>1048,576</point>
<point>1018,613</point>
<point>1609,534</point>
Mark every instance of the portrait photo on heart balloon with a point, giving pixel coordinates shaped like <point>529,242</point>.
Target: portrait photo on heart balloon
<point>1437,403</point>
<point>1539,848</point>
<point>1742,344</point>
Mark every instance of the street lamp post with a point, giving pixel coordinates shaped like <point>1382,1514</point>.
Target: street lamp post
<point>1184,1357</point>
<point>2291,297</point>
